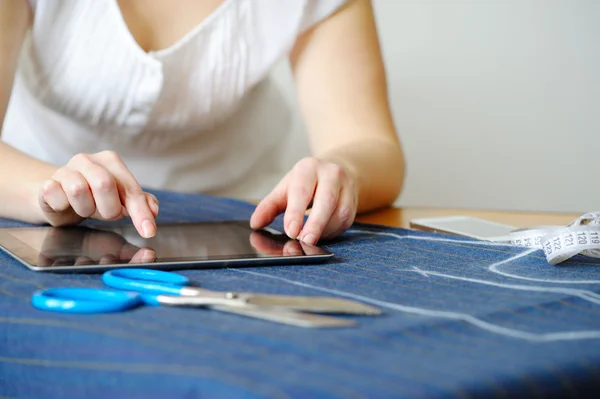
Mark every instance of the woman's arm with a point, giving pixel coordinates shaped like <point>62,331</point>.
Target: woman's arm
<point>20,175</point>
<point>358,164</point>
<point>342,91</point>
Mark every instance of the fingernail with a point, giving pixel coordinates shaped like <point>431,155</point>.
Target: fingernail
<point>293,229</point>
<point>310,239</point>
<point>147,228</point>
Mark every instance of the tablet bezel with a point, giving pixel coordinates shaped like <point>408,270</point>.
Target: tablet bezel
<point>28,256</point>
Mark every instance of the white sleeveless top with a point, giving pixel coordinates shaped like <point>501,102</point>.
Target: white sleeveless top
<point>201,115</point>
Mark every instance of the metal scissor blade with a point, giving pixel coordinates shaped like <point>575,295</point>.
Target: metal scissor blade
<point>314,304</point>
<point>289,317</point>
<point>275,314</point>
<point>199,301</point>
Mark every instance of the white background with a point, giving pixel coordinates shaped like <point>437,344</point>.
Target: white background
<point>497,102</point>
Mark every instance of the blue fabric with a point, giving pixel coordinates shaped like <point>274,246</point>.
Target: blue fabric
<point>462,319</point>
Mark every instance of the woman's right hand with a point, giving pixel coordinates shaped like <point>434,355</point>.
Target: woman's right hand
<point>97,186</point>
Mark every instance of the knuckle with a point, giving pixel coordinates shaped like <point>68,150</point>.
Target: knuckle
<point>328,200</point>
<point>135,196</point>
<point>307,163</point>
<point>102,181</point>
<point>336,171</point>
<point>80,159</point>
<point>302,192</point>
<point>344,214</point>
<point>76,189</point>
<point>135,193</point>
<point>109,155</point>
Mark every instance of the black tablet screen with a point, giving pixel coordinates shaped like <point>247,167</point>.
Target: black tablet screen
<point>208,243</point>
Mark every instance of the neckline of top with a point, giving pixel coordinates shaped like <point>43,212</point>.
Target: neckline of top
<point>150,56</point>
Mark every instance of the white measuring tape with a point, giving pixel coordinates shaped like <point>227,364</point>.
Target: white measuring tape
<point>560,243</point>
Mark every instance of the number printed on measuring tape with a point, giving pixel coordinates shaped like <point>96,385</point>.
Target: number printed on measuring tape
<point>560,243</point>
<point>569,240</point>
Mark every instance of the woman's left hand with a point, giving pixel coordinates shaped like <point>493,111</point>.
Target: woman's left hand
<point>330,189</point>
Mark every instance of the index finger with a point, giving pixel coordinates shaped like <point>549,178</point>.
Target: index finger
<point>133,199</point>
<point>299,195</point>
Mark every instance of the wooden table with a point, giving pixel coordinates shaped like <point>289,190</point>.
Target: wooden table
<point>401,217</point>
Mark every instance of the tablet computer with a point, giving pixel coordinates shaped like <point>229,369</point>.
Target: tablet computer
<point>175,246</point>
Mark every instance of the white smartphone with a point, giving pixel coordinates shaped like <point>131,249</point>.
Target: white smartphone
<point>465,226</point>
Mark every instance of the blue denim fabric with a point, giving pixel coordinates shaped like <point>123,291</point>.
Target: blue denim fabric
<point>461,320</point>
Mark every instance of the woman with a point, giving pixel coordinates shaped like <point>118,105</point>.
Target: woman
<point>108,96</point>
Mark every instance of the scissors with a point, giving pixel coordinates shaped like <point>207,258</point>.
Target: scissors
<point>133,287</point>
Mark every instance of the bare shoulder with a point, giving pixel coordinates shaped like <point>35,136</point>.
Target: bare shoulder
<point>15,17</point>
<point>14,14</point>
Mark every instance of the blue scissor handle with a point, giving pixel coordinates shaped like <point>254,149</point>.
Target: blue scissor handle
<point>85,300</point>
<point>146,281</point>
